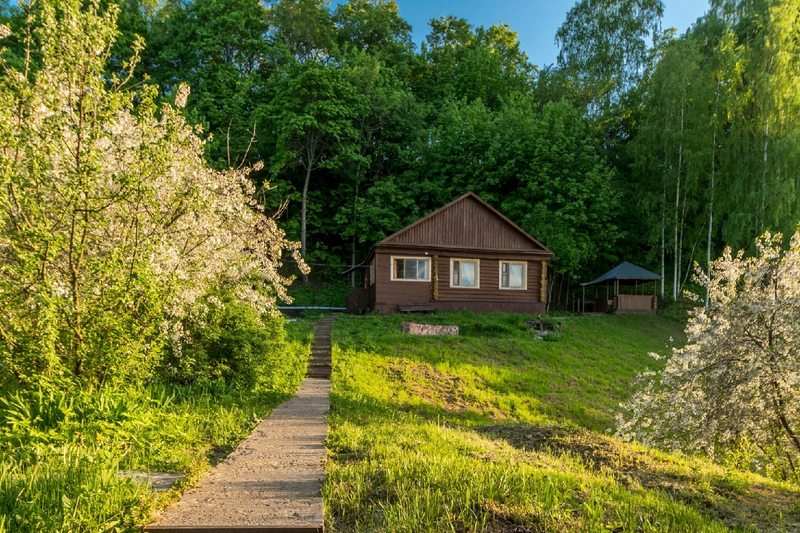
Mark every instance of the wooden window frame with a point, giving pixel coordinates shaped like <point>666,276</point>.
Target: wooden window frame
<point>524,275</point>
<point>394,258</point>
<point>477,273</point>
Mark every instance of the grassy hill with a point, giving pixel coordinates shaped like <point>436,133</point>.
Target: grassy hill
<point>495,431</point>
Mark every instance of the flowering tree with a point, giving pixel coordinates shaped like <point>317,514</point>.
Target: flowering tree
<point>113,230</point>
<point>738,378</point>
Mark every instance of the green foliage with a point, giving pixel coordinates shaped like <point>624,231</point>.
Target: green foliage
<point>234,343</point>
<point>330,294</point>
<point>603,47</point>
<point>61,453</point>
<point>462,61</point>
<point>538,165</point>
<point>216,46</point>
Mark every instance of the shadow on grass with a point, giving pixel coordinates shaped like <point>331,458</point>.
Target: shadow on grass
<point>717,495</point>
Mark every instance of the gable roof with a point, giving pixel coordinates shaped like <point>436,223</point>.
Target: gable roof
<point>467,222</point>
<point>625,270</point>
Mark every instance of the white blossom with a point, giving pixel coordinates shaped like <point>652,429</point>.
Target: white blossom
<point>737,380</point>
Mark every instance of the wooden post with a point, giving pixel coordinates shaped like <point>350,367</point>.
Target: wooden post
<point>655,298</point>
<point>583,300</point>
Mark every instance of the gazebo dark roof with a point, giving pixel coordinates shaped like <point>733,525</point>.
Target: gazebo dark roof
<point>625,271</point>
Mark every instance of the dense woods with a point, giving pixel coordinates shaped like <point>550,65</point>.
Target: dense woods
<point>639,143</point>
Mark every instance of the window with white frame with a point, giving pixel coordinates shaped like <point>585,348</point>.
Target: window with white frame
<point>372,272</point>
<point>513,275</point>
<point>465,273</point>
<point>411,268</point>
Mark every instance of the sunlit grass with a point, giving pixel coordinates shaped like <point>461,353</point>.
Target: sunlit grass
<point>496,431</point>
<point>61,454</point>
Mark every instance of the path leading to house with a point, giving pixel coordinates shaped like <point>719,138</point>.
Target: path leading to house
<point>271,482</point>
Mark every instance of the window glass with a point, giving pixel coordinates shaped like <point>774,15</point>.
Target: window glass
<point>411,269</point>
<point>467,273</point>
<point>407,268</point>
<point>512,275</point>
<point>422,269</point>
<point>515,275</point>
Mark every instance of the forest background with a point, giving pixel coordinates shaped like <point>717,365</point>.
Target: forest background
<point>639,144</point>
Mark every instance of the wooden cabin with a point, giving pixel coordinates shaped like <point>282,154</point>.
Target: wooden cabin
<point>464,256</point>
<point>625,288</point>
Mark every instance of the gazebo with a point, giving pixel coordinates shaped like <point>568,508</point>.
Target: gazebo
<point>633,280</point>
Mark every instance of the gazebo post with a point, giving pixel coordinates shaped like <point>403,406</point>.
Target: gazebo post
<point>583,300</point>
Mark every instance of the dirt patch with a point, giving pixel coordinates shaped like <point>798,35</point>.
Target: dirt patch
<point>505,521</point>
<point>761,506</point>
<point>441,390</point>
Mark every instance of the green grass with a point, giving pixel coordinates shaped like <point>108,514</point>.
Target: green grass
<point>496,431</point>
<point>61,453</point>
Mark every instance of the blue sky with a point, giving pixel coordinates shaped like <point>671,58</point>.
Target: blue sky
<point>536,21</point>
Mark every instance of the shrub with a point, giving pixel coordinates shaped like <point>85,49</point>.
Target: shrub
<point>235,343</point>
<point>112,226</point>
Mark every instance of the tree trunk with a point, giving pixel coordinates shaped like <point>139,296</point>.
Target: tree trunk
<point>303,218</point>
<point>763,207</point>
<point>711,200</point>
<point>355,218</point>
<point>677,208</point>
<point>663,237</point>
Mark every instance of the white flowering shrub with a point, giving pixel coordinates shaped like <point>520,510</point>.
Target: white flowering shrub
<point>112,227</point>
<point>737,381</point>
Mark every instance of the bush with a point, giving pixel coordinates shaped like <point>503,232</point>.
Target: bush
<point>331,294</point>
<point>234,343</point>
<point>112,225</point>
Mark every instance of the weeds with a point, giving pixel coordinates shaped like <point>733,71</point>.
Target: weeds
<point>60,453</point>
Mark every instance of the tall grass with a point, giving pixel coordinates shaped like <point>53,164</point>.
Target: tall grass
<point>68,488</point>
<point>61,452</point>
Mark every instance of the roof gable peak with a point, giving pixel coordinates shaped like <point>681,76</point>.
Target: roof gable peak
<point>431,229</point>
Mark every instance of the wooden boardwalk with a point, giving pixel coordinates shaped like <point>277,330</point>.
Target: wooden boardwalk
<point>271,482</point>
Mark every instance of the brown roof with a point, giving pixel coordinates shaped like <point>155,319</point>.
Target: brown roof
<point>467,222</point>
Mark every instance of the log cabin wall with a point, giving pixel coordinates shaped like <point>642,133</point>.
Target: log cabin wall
<point>488,296</point>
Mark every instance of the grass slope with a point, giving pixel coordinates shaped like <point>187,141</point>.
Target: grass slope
<point>496,431</point>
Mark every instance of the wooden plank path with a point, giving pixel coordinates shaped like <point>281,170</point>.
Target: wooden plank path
<point>271,482</point>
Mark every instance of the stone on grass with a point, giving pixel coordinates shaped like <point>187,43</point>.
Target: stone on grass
<point>429,329</point>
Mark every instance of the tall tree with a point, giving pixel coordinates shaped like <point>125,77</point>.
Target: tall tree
<point>461,61</point>
<point>312,113</point>
<point>218,47</point>
<point>603,47</point>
